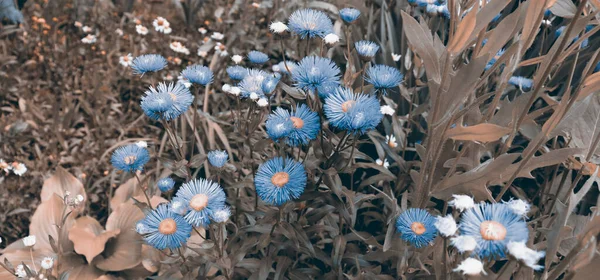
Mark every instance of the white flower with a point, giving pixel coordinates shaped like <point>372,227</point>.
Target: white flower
<point>226,88</point>
<point>278,27</point>
<point>0,240</point>
<point>383,163</point>
<point>519,206</point>
<point>223,53</point>
<point>142,144</point>
<point>464,243</point>
<point>253,96</point>
<point>237,58</point>
<point>217,36</point>
<point>202,30</point>
<point>331,39</point>
<point>387,110</point>
<point>221,215</point>
<point>235,91</point>
<point>140,29</point>
<point>168,30</point>
<point>126,60</point>
<point>470,266</point>
<point>462,202</point>
<point>528,256</point>
<point>446,225</point>
<point>89,39</point>
<point>202,53</point>
<point>391,141</point>
<point>19,168</point>
<point>20,271</point>
<point>178,47</point>
<point>29,241</point>
<point>78,24</point>
<point>184,81</point>
<point>396,57</point>
<point>79,198</point>
<point>5,166</point>
<point>160,24</point>
<point>276,68</point>
<point>47,263</point>
<point>86,29</point>
<point>262,102</point>
<point>119,31</point>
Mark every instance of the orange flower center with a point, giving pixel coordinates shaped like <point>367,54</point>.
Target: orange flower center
<point>347,105</point>
<point>173,96</point>
<point>130,159</point>
<point>417,228</point>
<point>199,202</point>
<point>280,179</point>
<point>492,230</point>
<point>159,22</point>
<point>298,122</point>
<point>167,226</point>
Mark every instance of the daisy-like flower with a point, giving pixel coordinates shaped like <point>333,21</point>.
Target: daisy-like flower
<point>462,202</point>
<point>202,30</point>
<point>130,158</point>
<point>226,88</point>
<point>236,91</point>
<point>279,180</point>
<point>396,57</point>
<point>438,10</point>
<point>222,215</point>
<point>366,49</point>
<point>351,111</point>
<point>252,82</point>
<point>89,39</point>
<point>236,58</point>
<point>470,266</point>
<point>198,74</point>
<point>140,29</point>
<point>385,163</point>
<point>290,64</point>
<point>331,39</point>
<point>416,227</point>
<point>165,184</point>
<point>446,226</point>
<point>349,15</point>
<point>257,57</point>
<point>86,29</point>
<point>310,23</point>
<point>119,31</point>
<point>493,226</point>
<point>29,241</point>
<point>278,27</point>
<point>47,263</point>
<point>390,140</point>
<point>387,110</point>
<point>126,60</point>
<point>305,126</point>
<point>160,24</point>
<point>148,63</point>
<point>19,168</point>
<point>179,206</point>
<point>202,197</point>
<point>5,166</point>
<point>180,96</point>
<point>523,83</point>
<point>279,124</point>
<point>78,24</point>
<point>20,271</point>
<point>519,207</point>
<point>178,47</point>
<point>218,158</point>
<point>262,102</point>
<point>217,36</point>
<point>254,96</point>
<point>165,228</point>
<point>383,77</point>
<point>270,83</point>
<point>528,256</point>
<point>464,243</point>
<point>236,72</point>
<point>202,53</point>
<point>315,72</point>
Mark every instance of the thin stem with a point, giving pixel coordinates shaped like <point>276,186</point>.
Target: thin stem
<point>32,260</point>
<point>143,190</point>
<point>194,121</point>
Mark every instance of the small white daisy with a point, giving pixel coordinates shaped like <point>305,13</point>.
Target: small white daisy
<point>217,36</point>
<point>47,263</point>
<point>470,266</point>
<point>167,30</point>
<point>446,225</point>
<point>519,207</point>
<point>391,141</point>
<point>278,27</point>
<point>86,29</point>
<point>383,163</point>
<point>78,24</point>
<point>119,31</point>
<point>142,144</point>
<point>331,39</point>
<point>5,166</point>
<point>464,243</point>
<point>20,271</point>
<point>29,241</point>
<point>462,202</point>
<point>276,68</point>
<point>19,168</point>
<point>396,57</point>
<point>89,39</point>
<point>178,47</point>
<point>160,24</point>
<point>253,96</point>
<point>387,110</point>
<point>237,58</point>
<point>202,53</point>
<point>140,29</point>
<point>262,102</point>
<point>235,91</point>
<point>226,88</point>
<point>126,60</point>
<point>202,30</point>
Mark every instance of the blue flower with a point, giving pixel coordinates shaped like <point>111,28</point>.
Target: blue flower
<point>130,158</point>
<point>350,111</point>
<point>277,181</point>
<point>270,83</point>
<point>202,197</point>
<point>252,82</point>
<point>327,89</point>
<point>438,9</point>
<point>164,229</point>
<point>306,126</point>
<point>349,15</point>
<point>315,72</point>
<point>416,227</point>
<point>366,49</point>
<point>148,63</point>
<point>384,77</point>
<point>236,72</point>
<point>218,158</point>
<point>584,43</point>
<point>421,3</point>
<point>198,74</point>
<point>597,68</point>
<point>181,98</point>
<point>521,82</point>
<point>310,23</point>
<point>258,57</point>
<point>493,226</point>
<point>222,215</point>
<point>165,184</point>
<point>494,59</point>
<point>179,206</point>
<point>156,103</point>
<point>279,124</point>
<point>9,11</point>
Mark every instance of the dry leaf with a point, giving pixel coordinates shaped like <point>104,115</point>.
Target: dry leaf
<point>44,221</point>
<point>484,132</point>
<point>463,33</point>
<point>61,182</point>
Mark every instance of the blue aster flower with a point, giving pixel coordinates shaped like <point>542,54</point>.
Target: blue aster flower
<point>493,226</point>
<point>148,63</point>
<point>421,3</point>
<point>521,82</point>
<point>252,82</point>
<point>181,98</point>
<point>277,181</point>
<point>351,111</point>
<point>198,74</point>
<point>366,49</point>
<point>236,72</point>
<point>130,158</point>
<point>384,77</point>
<point>258,57</point>
<point>310,23</point>
<point>164,229</point>
<point>416,227</point>
<point>349,15</point>
<point>202,197</point>
<point>179,206</point>
<point>306,126</point>
<point>438,10</point>
<point>494,59</point>
<point>165,184</point>
<point>218,158</point>
<point>9,11</point>
<point>279,124</point>
<point>156,103</point>
<point>315,72</point>
<point>221,215</point>
<point>270,83</point>
<point>327,89</point>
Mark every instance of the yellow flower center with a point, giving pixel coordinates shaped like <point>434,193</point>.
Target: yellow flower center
<point>298,122</point>
<point>167,226</point>
<point>130,159</point>
<point>417,228</point>
<point>347,105</point>
<point>280,179</point>
<point>492,230</point>
<point>199,202</point>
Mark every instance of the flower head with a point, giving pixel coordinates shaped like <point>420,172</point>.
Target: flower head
<point>262,102</point>
<point>165,184</point>
<point>179,47</point>
<point>446,226</point>
<point>140,29</point>
<point>236,58</point>
<point>352,111</point>
<point>165,229</point>
<point>126,60</point>
<point>89,39</point>
<point>222,215</point>
<point>279,124</point>
<point>528,256</point>
<point>366,49</point>
<point>464,243</point>
<point>349,15</point>
<point>384,77</point>
<point>203,197</point>
<point>252,82</point>
<point>521,82</point>
<point>161,24</point>
<point>493,226</point>
<point>47,263</point>
<point>130,158</point>
<point>285,65</point>
<point>198,74</point>
<point>331,39</point>
<point>387,110</point>
<point>217,36</point>
<point>385,163</point>
<point>218,158</point>
<point>314,72</point>
<point>310,23</point>
<point>462,202</point>
<point>519,207</point>
<point>19,168</point>
<point>278,27</point>
<point>396,57</point>
<point>390,140</point>
<point>179,206</point>
<point>148,63</point>
<point>179,95</point>
<point>269,84</point>
<point>416,227</point>
<point>470,266</point>
<point>258,57</point>
<point>438,10</point>
<point>236,72</point>
<point>277,181</point>
<point>29,241</point>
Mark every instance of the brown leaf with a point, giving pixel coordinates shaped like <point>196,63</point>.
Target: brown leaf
<point>89,238</point>
<point>581,123</point>
<point>463,33</point>
<point>421,40</point>
<point>590,85</point>
<point>562,8</point>
<point>85,272</point>
<point>484,132</point>
<point>18,257</point>
<point>43,224</point>
<point>61,182</point>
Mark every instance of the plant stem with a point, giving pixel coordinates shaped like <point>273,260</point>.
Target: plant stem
<point>143,190</point>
